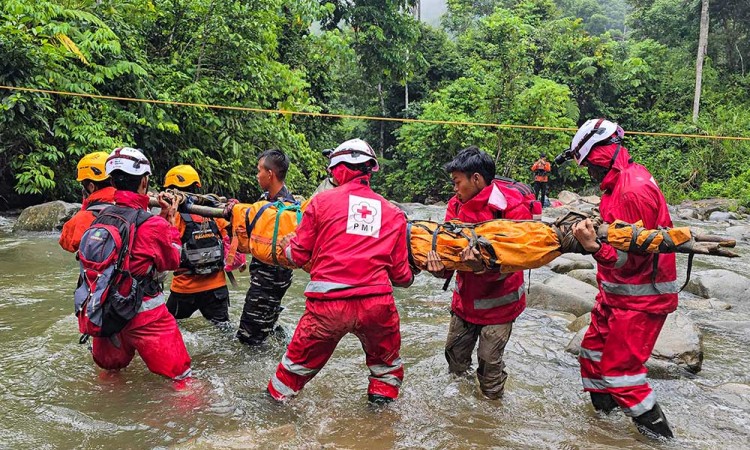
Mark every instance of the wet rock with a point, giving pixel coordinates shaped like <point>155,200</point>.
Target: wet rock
<point>568,197</point>
<point>703,304</point>
<point>687,214</point>
<point>721,216</point>
<point>565,265</point>
<point>704,208</point>
<point>721,284</point>
<point>562,293</point>
<point>679,346</point>
<point>593,199</point>
<point>588,276</point>
<point>735,394</point>
<point>580,323</point>
<point>46,217</point>
<point>739,232</point>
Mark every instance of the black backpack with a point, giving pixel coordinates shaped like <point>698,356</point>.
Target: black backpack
<point>202,247</point>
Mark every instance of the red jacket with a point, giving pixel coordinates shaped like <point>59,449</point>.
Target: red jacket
<point>490,298</point>
<point>73,230</point>
<point>625,279</point>
<point>356,241</point>
<point>156,245</point>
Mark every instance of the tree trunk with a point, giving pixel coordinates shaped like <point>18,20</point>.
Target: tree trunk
<point>382,122</point>
<point>702,46</point>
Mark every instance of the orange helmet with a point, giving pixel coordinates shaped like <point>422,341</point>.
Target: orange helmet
<point>182,176</point>
<point>91,167</point>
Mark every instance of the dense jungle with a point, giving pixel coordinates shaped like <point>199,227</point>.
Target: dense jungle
<point>551,63</point>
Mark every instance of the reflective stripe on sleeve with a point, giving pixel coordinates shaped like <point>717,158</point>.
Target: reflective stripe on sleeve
<point>326,286</point>
<point>297,369</point>
<point>489,303</point>
<point>183,375</point>
<point>641,408</point>
<point>288,253</point>
<point>666,287</point>
<point>592,355</point>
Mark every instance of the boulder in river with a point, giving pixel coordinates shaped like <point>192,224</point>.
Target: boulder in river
<point>48,216</point>
<point>721,284</point>
<point>588,276</point>
<point>562,293</point>
<point>580,323</point>
<point>565,265</point>
<point>722,216</point>
<point>568,197</point>
<point>680,344</point>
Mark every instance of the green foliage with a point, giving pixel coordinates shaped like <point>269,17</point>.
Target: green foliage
<point>548,63</point>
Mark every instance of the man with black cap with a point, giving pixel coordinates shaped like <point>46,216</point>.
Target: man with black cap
<point>541,169</point>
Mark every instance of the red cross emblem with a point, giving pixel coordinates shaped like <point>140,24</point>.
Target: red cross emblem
<point>364,211</point>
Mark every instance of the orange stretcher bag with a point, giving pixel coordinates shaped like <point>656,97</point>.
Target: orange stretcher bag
<point>258,227</point>
<point>507,245</point>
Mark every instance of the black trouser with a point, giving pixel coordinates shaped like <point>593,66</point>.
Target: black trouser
<point>213,304</point>
<point>268,284</point>
<point>540,187</point>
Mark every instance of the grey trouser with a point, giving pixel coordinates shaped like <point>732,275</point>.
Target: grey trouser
<point>462,337</point>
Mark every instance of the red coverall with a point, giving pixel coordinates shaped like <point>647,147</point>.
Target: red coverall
<point>73,230</point>
<point>356,241</point>
<point>631,305</point>
<point>153,331</point>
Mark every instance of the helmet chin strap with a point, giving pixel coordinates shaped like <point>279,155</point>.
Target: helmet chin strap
<point>614,157</point>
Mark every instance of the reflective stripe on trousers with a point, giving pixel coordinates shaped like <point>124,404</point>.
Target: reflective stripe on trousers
<point>382,372</point>
<point>325,286</point>
<point>152,303</point>
<point>640,290</point>
<point>641,408</point>
<point>489,303</point>
<point>614,382</point>
<point>282,388</point>
<point>297,369</point>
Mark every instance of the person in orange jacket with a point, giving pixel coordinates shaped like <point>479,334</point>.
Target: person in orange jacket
<point>98,193</point>
<point>541,169</point>
<point>199,284</point>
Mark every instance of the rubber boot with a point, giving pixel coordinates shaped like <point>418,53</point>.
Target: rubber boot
<point>653,423</point>
<point>377,399</point>
<point>603,402</point>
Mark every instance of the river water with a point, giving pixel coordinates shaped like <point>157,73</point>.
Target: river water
<point>53,396</point>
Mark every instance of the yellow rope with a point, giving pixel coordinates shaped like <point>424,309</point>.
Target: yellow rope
<point>352,116</point>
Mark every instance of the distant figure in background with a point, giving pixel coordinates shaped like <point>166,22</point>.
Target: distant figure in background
<point>541,169</point>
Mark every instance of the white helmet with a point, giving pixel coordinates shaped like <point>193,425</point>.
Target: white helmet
<point>353,151</point>
<point>130,160</point>
<point>593,132</point>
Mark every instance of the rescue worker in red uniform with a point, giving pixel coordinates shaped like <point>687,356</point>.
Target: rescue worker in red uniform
<point>636,292</point>
<point>485,303</point>
<point>198,285</point>
<point>356,243</point>
<point>153,332</point>
<point>98,193</point>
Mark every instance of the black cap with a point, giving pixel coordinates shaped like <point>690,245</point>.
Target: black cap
<point>542,155</point>
<point>327,152</point>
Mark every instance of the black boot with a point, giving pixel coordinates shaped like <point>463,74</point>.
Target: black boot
<point>653,423</point>
<point>603,402</point>
<point>377,399</point>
